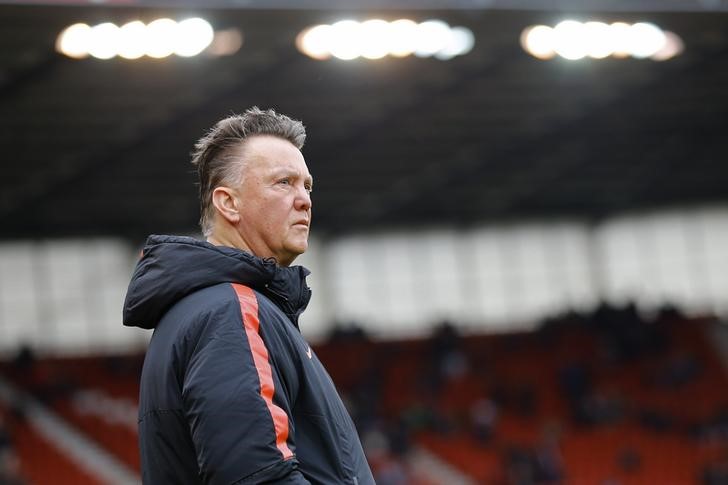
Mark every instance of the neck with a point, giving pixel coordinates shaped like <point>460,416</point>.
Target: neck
<point>228,238</point>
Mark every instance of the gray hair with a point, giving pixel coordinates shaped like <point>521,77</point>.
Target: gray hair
<point>215,155</point>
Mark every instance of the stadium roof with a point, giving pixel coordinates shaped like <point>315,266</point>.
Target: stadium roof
<point>102,147</point>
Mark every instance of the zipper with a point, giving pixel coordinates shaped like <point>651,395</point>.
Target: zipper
<point>276,293</point>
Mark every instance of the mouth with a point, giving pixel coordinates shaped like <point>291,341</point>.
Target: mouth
<point>301,223</point>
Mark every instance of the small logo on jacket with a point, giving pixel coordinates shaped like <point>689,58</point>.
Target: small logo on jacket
<point>308,352</point>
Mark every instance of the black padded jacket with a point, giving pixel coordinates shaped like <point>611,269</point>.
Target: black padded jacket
<point>231,392</point>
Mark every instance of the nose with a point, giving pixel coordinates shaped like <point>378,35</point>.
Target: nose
<point>303,199</point>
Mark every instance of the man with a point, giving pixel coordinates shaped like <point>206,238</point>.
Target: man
<point>230,390</point>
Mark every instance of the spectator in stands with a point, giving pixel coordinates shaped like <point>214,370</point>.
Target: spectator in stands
<point>4,435</point>
<point>9,463</point>
<point>483,418</point>
<point>678,371</point>
<point>392,472</point>
<point>716,473</point>
<point>24,359</point>
<point>520,466</point>
<point>230,390</point>
<point>10,468</point>
<point>518,397</point>
<point>549,462</point>
<point>447,357</point>
<point>713,429</point>
<point>629,460</point>
<point>351,332</point>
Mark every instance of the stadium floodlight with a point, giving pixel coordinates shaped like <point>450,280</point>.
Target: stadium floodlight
<point>647,40</point>
<point>193,37</point>
<point>225,42</point>
<point>621,39</point>
<point>104,41</point>
<point>597,40</point>
<point>432,37</point>
<point>672,47</point>
<point>375,39</point>
<point>160,38</point>
<point>569,38</point>
<point>346,40</point>
<point>460,41</point>
<point>315,41</point>
<point>538,40</point>
<point>575,40</point>
<point>132,40</point>
<point>73,41</point>
<point>403,39</point>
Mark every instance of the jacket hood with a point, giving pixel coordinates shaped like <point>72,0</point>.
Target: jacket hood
<point>172,267</point>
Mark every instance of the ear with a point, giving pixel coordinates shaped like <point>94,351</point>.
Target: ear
<point>226,203</point>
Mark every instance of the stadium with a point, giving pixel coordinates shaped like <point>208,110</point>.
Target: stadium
<point>519,243</point>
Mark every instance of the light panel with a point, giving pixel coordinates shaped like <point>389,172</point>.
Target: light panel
<point>158,39</point>
<point>375,39</point>
<point>574,40</point>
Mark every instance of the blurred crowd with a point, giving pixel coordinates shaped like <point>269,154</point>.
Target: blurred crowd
<point>461,387</point>
<point>626,339</point>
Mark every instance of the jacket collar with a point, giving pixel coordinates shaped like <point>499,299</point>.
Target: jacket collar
<point>171,267</point>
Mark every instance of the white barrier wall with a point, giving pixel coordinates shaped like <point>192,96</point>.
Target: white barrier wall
<point>66,295</point>
<point>507,277</point>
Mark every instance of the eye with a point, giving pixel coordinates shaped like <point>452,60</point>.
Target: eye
<point>285,181</point>
<point>309,188</point>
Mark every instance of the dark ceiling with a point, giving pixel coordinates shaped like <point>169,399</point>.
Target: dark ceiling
<point>102,147</point>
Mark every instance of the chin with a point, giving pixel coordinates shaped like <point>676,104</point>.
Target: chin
<point>295,250</point>
<point>299,247</point>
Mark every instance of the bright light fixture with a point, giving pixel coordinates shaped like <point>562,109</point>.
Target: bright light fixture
<point>132,40</point>
<point>538,41</point>
<point>403,40</point>
<point>375,39</point>
<point>621,39</point>
<point>569,40</point>
<point>596,40</point>
<point>193,37</point>
<point>226,42</point>
<point>346,40</point>
<point>673,46</point>
<point>315,41</point>
<point>160,38</point>
<point>647,40</point>
<point>377,35</point>
<point>104,41</point>
<point>575,40</point>
<point>432,37</point>
<point>74,40</point>
<point>459,42</point>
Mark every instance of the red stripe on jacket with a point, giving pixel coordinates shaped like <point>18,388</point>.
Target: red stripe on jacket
<point>249,310</point>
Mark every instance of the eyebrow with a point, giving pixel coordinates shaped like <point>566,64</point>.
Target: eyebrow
<point>292,172</point>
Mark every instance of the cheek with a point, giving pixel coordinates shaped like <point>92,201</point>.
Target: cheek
<point>276,215</point>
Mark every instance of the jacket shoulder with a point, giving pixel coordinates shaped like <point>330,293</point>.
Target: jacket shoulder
<point>212,306</point>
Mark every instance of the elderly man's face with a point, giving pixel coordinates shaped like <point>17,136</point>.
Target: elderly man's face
<point>275,196</point>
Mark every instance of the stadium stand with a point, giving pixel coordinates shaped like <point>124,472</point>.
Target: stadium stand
<point>606,398</point>
<point>29,458</point>
<point>97,395</point>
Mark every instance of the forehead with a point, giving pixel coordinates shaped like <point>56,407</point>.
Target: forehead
<point>266,153</point>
